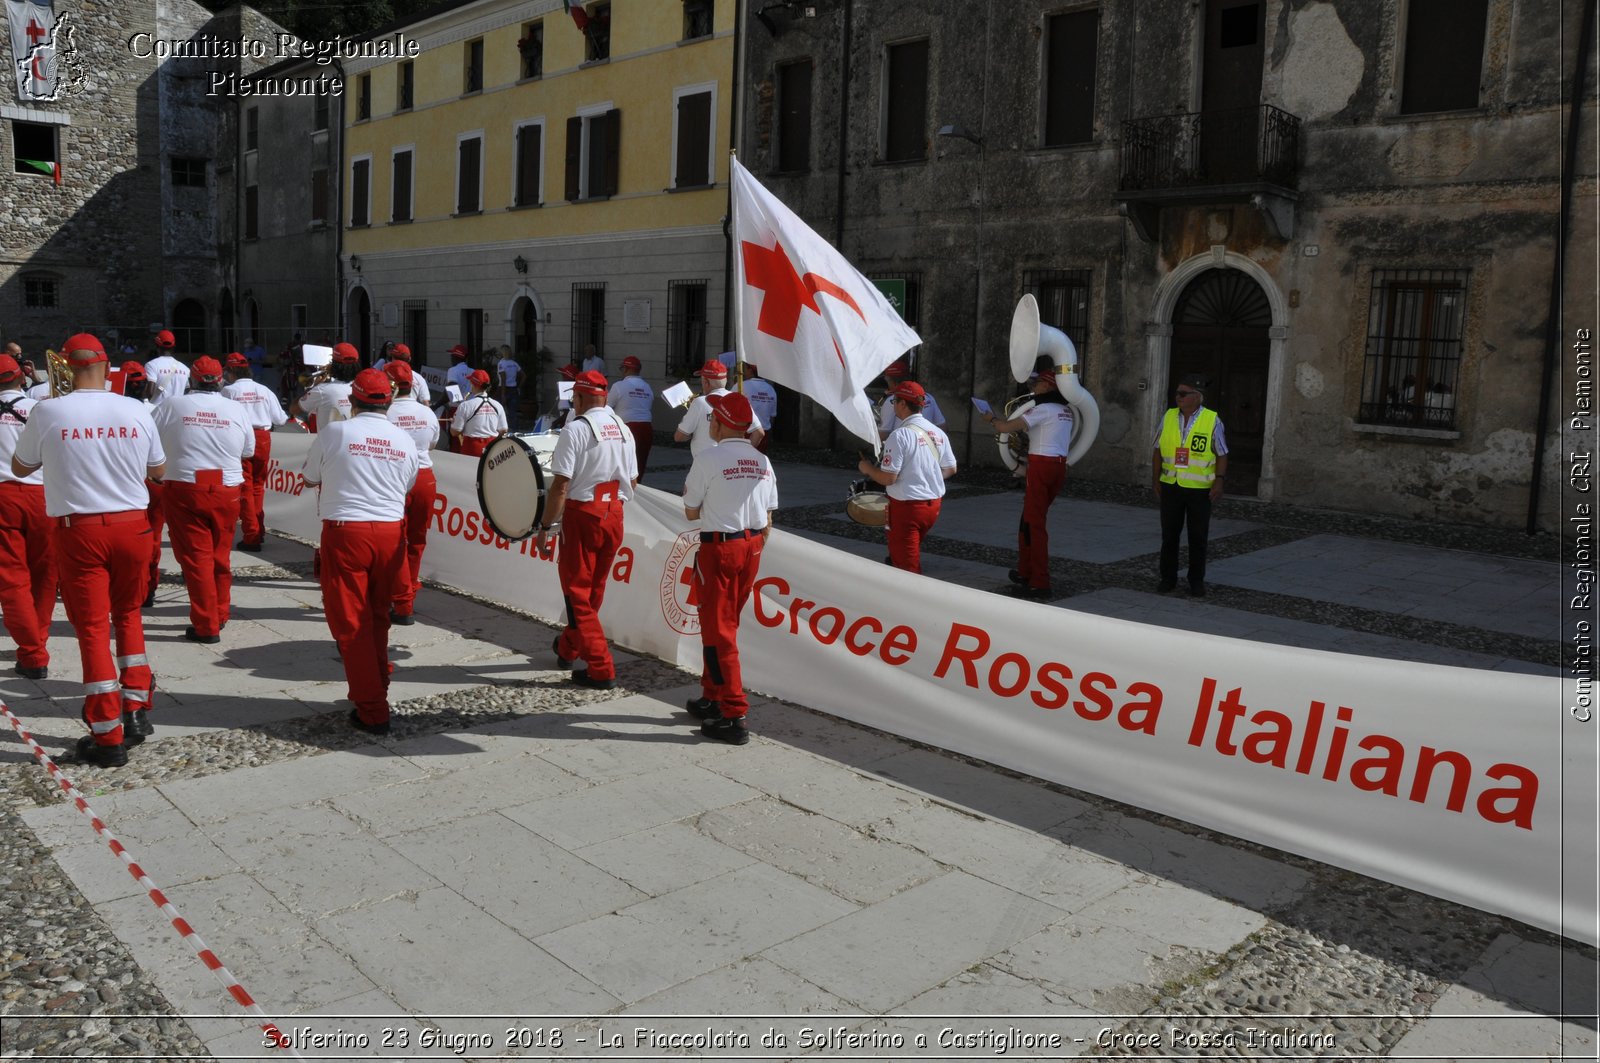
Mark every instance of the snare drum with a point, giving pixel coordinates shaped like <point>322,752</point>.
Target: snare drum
<point>870,508</point>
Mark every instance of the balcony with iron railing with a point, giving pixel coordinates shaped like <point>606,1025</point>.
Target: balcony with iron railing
<point>1244,153</point>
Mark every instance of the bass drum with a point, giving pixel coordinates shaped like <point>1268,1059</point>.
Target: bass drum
<point>511,488</point>
<point>1014,445</point>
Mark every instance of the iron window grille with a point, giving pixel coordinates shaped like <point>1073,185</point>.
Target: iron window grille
<point>687,322</point>
<point>1063,296</point>
<point>1415,320</point>
<point>588,317</point>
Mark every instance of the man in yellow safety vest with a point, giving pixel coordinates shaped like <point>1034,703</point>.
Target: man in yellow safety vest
<point>1187,470</point>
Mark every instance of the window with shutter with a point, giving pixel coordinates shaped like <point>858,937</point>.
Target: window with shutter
<point>905,108</point>
<point>692,142</point>
<point>469,174</point>
<point>360,191</point>
<point>530,165</point>
<point>1444,55</point>
<point>400,205</point>
<point>794,116</point>
<point>1071,42</point>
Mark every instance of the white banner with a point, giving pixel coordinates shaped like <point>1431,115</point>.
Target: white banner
<point>1446,780</point>
<point>33,48</point>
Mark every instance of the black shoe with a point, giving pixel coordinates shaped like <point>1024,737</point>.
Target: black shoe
<point>1031,594</point>
<point>371,728</point>
<point>249,548</point>
<point>205,640</point>
<point>91,752</point>
<point>32,673</point>
<point>135,726</point>
<point>555,648</point>
<point>1197,590</point>
<point>1016,577</point>
<point>1166,586</point>
<point>704,708</point>
<point>582,679</point>
<point>726,729</point>
<point>150,599</point>
<point>401,619</point>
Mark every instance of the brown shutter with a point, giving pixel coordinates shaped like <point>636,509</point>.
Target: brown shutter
<point>613,150</point>
<point>574,156</point>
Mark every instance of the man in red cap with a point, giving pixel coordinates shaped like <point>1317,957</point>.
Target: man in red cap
<point>632,397</point>
<point>898,373</point>
<point>419,383</point>
<point>595,473</point>
<point>732,492</point>
<point>460,371</point>
<point>366,466</point>
<point>422,425</point>
<point>330,400</point>
<point>1049,428</point>
<point>695,428</point>
<point>167,375</point>
<point>763,401</point>
<point>96,449</point>
<point>27,558</point>
<point>478,418</point>
<point>208,439</point>
<point>265,412</point>
<point>917,460</point>
<point>569,373</point>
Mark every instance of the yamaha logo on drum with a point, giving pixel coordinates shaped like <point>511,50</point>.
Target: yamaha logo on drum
<point>680,604</point>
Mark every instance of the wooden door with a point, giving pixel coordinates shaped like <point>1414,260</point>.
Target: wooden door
<point>1219,332</point>
<point>1230,89</point>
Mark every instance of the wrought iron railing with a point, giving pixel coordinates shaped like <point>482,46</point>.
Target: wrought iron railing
<point>1237,146</point>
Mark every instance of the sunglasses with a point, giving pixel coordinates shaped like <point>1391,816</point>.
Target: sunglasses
<point>1184,393</point>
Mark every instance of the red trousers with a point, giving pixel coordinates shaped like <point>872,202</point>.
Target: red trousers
<point>644,437</point>
<point>200,520</point>
<point>1046,476</point>
<point>591,532</point>
<point>724,574</point>
<point>252,500</point>
<point>473,446</point>
<point>419,507</point>
<point>908,523</point>
<point>103,587</point>
<point>158,519</point>
<point>361,566</point>
<point>27,571</point>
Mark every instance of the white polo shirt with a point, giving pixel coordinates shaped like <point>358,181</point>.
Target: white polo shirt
<point>458,374</point>
<point>205,430</point>
<point>733,486</point>
<point>888,422</point>
<point>420,423</point>
<point>632,397</point>
<point>366,467</point>
<point>96,448</point>
<point>259,401</point>
<point>510,371</point>
<point>696,423</point>
<point>763,400</point>
<point>1049,429</point>
<point>593,448</point>
<point>479,417</point>
<point>170,376</point>
<point>419,387</point>
<point>11,424</point>
<point>917,453</point>
<point>329,401</point>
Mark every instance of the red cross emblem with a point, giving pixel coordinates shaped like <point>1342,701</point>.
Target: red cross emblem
<point>35,32</point>
<point>787,292</point>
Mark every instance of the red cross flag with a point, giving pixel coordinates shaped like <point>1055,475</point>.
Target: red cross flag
<point>806,315</point>
<point>33,48</point>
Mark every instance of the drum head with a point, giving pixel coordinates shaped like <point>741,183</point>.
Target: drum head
<point>511,488</point>
<point>870,508</point>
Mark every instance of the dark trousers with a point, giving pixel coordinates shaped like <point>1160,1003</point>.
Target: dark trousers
<point>1180,505</point>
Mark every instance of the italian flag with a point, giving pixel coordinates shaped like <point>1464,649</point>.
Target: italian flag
<point>51,168</point>
<point>579,15</point>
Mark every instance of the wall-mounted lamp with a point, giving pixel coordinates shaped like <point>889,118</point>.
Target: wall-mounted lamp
<point>961,132</point>
<point>355,263</point>
<point>790,9</point>
<point>520,264</point>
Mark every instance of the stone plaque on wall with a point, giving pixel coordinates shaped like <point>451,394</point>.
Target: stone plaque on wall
<point>636,315</point>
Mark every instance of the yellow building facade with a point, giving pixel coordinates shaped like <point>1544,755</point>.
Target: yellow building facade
<point>520,181</point>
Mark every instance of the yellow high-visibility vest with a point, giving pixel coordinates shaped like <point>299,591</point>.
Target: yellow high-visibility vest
<point>1202,468</point>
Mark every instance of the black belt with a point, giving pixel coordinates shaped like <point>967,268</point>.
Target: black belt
<point>722,537</point>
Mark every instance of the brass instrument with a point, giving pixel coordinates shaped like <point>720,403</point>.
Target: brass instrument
<point>59,372</point>
<point>1031,338</point>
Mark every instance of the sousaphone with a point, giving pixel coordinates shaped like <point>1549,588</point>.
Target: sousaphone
<point>1031,338</point>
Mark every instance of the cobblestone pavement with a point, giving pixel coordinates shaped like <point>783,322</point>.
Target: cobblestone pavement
<point>891,880</point>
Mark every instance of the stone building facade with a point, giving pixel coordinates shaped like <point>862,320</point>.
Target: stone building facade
<point>1342,212</point>
<point>138,233</point>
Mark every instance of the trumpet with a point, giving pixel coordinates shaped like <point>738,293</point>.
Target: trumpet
<point>310,378</point>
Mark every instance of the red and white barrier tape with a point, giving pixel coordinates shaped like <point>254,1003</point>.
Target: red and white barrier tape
<point>181,925</point>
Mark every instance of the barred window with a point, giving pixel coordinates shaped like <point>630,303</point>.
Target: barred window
<point>1063,296</point>
<point>686,326</point>
<point>1414,347</point>
<point>41,293</point>
<point>589,317</point>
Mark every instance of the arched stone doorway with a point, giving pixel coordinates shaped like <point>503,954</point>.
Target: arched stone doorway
<point>189,327</point>
<point>358,323</point>
<point>1221,330</point>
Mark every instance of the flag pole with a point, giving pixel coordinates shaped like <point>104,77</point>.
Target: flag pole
<point>738,269</point>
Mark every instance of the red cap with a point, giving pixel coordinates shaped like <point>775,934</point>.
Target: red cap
<point>1044,376</point>
<point>206,368</point>
<point>237,361</point>
<point>346,353</point>
<point>733,410</point>
<point>569,371</point>
<point>371,386</point>
<point>631,362</point>
<point>400,351</point>
<point>896,371</point>
<point>84,349</point>
<point>399,372</point>
<point>457,351</point>
<point>713,368</point>
<point>478,378</point>
<point>166,339</point>
<point>590,382</point>
<point>133,373</point>
<point>9,369</point>
<point>911,392</point>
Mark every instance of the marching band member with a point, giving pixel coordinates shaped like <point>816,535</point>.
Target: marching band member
<point>266,412</point>
<point>632,398</point>
<point>27,556</point>
<point>460,372</point>
<point>419,383</point>
<point>136,385</point>
<point>895,374</point>
<point>595,472</point>
<point>1049,428</point>
<point>732,492</point>
<point>696,424</point>
<point>208,438</point>
<point>330,400</point>
<point>917,460</point>
<point>763,400</point>
<point>478,418</point>
<point>366,467</point>
<point>422,425</point>
<point>96,449</point>
<point>168,377</point>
